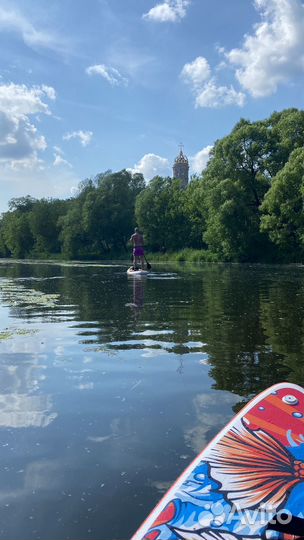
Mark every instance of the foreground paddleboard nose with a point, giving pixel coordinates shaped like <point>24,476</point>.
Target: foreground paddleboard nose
<point>252,469</point>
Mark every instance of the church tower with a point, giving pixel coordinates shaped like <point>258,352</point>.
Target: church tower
<point>181,168</point>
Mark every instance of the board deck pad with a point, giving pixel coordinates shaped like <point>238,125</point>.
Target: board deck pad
<point>251,470</point>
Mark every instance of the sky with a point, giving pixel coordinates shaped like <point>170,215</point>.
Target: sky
<point>92,85</point>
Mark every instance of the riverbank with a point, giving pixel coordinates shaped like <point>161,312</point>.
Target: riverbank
<point>184,255</point>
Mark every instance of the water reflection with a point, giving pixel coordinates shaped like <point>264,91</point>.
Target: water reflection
<point>246,319</point>
<point>22,411</point>
<point>138,285</point>
<point>209,419</point>
<point>241,346</point>
<point>129,379</point>
<point>20,404</point>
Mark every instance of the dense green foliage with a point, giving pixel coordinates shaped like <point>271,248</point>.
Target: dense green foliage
<point>96,223</point>
<point>246,206</point>
<point>283,215</point>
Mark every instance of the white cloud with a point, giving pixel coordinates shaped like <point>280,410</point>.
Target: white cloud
<point>58,150</point>
<point>12,20</point>
<point>110,74</point>
<point>168,11</point>
<point>215,96</point>
<point>136,63</point>
<point>31,164</point>
<point>207,92</point>
<point>83,136</point>
<point>49,91</point>
<point>19,100</point>
<point>19,138</point>
<point>59,159</point>
<point>38,181</point>
<point>199,161</point>
<point>196,72</point>
<point>274,53</point>
<point>151,165</point>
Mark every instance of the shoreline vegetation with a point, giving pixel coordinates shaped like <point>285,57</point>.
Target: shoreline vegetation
<point>246,206</point>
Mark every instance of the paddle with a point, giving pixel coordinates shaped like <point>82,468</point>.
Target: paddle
<point>148,264</point>
<point>284,522</point>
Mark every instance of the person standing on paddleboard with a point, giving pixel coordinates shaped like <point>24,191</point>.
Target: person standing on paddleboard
<point>137,241</point>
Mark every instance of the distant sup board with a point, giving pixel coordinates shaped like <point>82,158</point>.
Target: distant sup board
<point>132,272</point>
<point>251,470</point>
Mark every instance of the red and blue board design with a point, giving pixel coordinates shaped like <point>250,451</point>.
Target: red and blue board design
<point>250,471</point>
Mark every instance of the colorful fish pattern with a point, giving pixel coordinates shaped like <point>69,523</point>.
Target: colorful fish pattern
<point>250,471</point>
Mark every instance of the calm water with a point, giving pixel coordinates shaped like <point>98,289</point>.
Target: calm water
<point>109,385</point>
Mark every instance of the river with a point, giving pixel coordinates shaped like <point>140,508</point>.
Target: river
<point>110,385</point>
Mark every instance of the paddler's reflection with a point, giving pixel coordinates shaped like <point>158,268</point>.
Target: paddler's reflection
<point>138,293</point>
<point>138,285</point>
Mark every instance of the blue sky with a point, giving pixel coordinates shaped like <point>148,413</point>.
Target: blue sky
<point>91,85</point>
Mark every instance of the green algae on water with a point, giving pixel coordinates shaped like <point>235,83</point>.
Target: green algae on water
<point>9,333</point>
<point>17,295</point>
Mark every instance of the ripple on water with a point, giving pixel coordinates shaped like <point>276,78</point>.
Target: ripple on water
<point>163,276</point>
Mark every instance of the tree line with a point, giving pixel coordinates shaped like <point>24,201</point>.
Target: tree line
<point>246,206</point>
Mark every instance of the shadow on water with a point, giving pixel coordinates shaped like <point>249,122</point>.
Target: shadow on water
<point>111,385</point>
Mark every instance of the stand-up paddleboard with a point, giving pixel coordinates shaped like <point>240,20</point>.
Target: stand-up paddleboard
<point>253,469</point>
<point>139,272</point>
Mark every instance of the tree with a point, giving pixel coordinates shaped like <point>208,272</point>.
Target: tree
<point>72,236</point>
<point>22,204</point>
<point>45,226</point>
<point>230,231</point>
<point>196,212</point>
<point>101,219</point>
<point>288,134</point>
<point>3,248</point>
<point>161,213</point>
<point>237,178</point>
<point>244,156</point>
<point>282,209</point>
<point>111,213</point>
<point>16,233</point>
<point>246,206</point>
